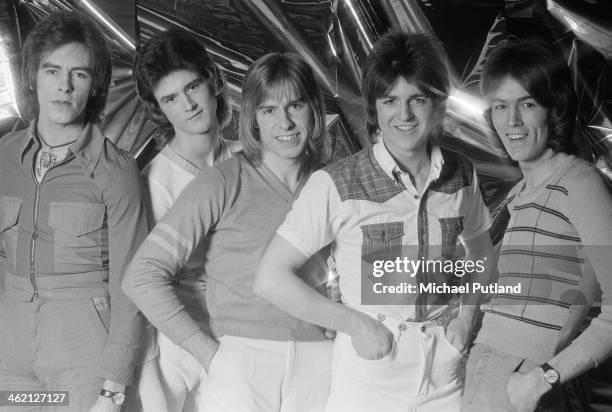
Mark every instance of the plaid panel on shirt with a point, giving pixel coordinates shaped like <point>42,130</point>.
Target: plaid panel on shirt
<point>360,177</point>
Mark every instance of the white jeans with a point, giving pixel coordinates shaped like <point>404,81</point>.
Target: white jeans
<point>171,382</point>
<point>424,372</point>
<point>255,375</point>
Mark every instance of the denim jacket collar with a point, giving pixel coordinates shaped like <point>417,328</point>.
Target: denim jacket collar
<point>87,147</point>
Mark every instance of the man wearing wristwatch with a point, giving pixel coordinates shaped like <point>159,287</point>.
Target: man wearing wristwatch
<point>556,247</point>
<point>71,215</point>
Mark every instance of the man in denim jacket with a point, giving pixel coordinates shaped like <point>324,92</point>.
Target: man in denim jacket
<point>71,215</point>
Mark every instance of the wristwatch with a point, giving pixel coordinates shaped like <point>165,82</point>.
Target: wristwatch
<point>116,397</point>
<point>550,375</point>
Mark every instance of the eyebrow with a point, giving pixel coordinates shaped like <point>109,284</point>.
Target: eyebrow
<point>387,96</point>
<point>273,105</point>
<point>197,80</point>
<point>48,65</point>
<point>520,99</point>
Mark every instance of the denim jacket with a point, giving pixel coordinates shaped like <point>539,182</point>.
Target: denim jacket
<point>73,234</point>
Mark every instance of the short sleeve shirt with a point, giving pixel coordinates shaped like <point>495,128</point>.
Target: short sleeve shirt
<point>372,213</point>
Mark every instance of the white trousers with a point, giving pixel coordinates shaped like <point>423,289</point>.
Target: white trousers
<point>424,372</point>
<point>254,375</point>
<point>171,382</point>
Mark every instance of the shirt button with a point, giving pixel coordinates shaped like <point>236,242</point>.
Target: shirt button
<point>416,196</point>
<point>422,328</point>
<point>381,317</point>
<point>402,327</point>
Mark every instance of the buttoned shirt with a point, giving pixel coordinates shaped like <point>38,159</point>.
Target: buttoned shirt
<point>372,212</point>
<point>73,234</point>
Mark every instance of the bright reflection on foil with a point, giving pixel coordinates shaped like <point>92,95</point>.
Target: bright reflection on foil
<point>331,45</point>
<point>466,103</point>
<point>8,103</point>
<point>93,9</point>
<point>362,29</point>
<point>604,130</point>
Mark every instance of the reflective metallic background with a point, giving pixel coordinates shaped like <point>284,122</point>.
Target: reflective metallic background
<point>335,36</point>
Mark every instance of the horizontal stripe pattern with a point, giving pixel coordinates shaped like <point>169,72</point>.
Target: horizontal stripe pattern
<point>542,209</point>
<point>558,188</point>
<point>543,232</point>
<point>539,276</point>
<point>524,319</point>
<point>536,253</point>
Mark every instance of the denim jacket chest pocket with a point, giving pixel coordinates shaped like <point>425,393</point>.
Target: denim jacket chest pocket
<point>79,232</point>
<point>10,208</point>
<point>382,241</point>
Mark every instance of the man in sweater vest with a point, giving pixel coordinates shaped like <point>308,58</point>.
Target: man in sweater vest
<point>258,357</point>
<point>184,90</point>
<point>402,203</point>
<point>556,248</point>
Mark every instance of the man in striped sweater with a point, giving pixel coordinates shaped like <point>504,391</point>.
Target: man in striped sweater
<point>556,247</point>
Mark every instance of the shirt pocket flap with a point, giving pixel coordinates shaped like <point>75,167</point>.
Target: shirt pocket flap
<point>76,218</point>
<point>9,212</point>
<point>384,232</point>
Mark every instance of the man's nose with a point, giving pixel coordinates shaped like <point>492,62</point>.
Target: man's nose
<point>189,103</point>
<point>284,119</point>
<point>514,117</point>
<point>405,111</point>
<point>65,83</point>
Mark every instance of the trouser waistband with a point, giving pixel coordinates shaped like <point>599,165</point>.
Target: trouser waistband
<point>65,286</point>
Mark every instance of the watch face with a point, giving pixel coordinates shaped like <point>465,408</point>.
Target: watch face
<point>118,398</point>
<point>551,376</point>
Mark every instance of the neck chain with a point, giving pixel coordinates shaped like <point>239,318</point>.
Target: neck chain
<point>42,139</point>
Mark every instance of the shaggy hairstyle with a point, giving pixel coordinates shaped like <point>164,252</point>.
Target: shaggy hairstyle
<point>274,75</point>
<point>419,59</point>
<point>547,79</point>
<point>53,32</point>
<point>173,50</point>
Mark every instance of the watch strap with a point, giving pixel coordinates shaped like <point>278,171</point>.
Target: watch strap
<point>551,375</point>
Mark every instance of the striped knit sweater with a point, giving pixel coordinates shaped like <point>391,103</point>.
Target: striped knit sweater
<point>558,246</point>
<point>234,208</point>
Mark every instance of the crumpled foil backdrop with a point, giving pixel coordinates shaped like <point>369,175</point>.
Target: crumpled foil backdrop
<point>334,36</point>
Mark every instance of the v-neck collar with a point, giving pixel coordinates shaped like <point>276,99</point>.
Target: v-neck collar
<point>277,185</point>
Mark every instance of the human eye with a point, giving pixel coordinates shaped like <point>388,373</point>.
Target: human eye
<point>267,110</point>
<point>529,104</point>
<point>295,106</point>
<point>499,107</point>
<point>388,101</point>
<point>418,100</point>
<point>168,99</point>
<point>194,87</point>
<point>50,71</point>
<point>81,75</point>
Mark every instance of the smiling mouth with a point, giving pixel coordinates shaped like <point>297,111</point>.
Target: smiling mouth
<point>288,138</point>
<point>514,137</point>
<point>406,127</point>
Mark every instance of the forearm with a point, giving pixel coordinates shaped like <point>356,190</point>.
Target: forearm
<point>277,282</point>
<point>127,228</point>
<point>124,340</point>
<point>481,252</point>
<point>571,362</point>
<point>148,283</point>
<point>291,294</point>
